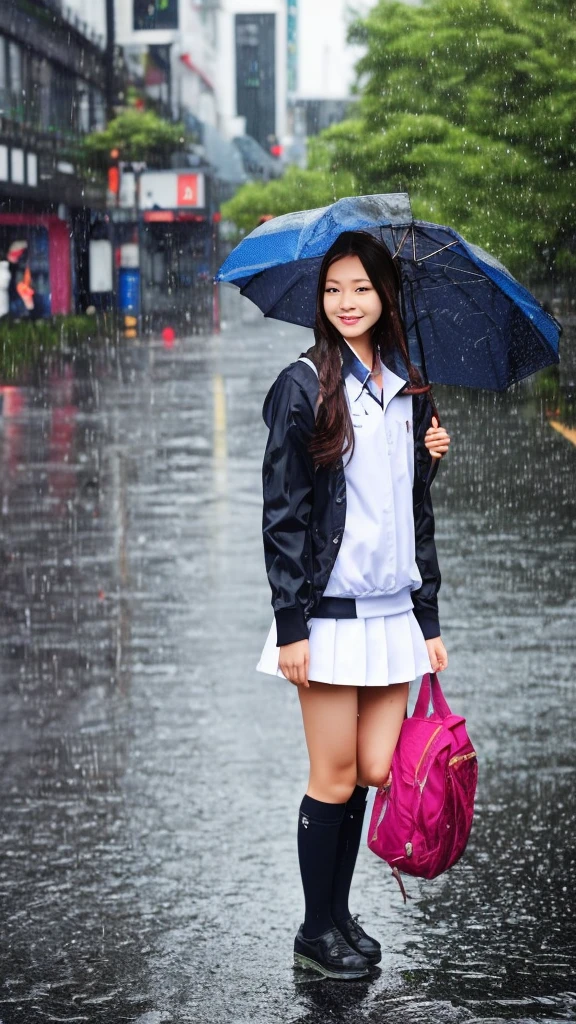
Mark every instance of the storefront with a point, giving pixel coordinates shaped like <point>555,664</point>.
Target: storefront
<point>177,249</point>
<point>37,250</point>
<point>53,78</point>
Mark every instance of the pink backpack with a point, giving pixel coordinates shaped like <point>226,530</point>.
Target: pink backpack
<point>423,813</point>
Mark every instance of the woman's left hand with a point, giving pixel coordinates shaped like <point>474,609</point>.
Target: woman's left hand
<point>437,653</point>
<point>436,440</point>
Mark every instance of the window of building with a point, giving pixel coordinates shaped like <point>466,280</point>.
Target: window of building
<point>15,78</point>
<point>45,90</point>
<point>32,169</point>
<point>98,110</point>
<point>47,96</point>
<point>3,68</point>
<point>151,14</point>
<point>256,75</point>
<point>34,90</point>
<point>63,101</point>
<point>83,106</point>
<point>17,173</point>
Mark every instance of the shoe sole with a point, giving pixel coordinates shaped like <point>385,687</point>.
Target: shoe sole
<point>303,961</point>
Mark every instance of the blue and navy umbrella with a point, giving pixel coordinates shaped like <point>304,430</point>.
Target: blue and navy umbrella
<point>468,321</point>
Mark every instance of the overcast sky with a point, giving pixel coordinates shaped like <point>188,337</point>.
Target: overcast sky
<point>325,61</point>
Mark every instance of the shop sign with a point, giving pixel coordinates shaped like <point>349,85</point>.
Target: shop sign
<point>172,190</point>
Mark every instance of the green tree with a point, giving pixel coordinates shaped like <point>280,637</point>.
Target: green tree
<point>138,135</point>
<point>469,106</point>
<point>297,190</point>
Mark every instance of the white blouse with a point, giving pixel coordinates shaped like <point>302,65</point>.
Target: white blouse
<point>376,563</point>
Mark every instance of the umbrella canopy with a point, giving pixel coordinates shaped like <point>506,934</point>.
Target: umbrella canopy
<point>468,321</point>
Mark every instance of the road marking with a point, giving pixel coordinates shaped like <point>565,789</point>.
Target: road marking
<point>568,432</point>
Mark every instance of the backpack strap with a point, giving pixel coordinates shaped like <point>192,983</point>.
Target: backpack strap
<point>305,359</point>
<point>431,693</point>
<point>405,895</point>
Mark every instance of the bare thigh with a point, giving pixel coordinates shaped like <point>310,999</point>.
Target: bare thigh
<point>330,715</point>
<point>381,711</point>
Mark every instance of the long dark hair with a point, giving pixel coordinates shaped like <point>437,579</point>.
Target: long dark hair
<point>334,434</point>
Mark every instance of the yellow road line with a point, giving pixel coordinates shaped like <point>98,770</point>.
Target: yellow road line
<point>220,460</point>
<point>568,432</point>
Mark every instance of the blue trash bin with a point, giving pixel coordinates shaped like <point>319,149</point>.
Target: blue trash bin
<point>129,290</point>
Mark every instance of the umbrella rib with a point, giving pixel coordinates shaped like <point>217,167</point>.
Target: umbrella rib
<point>426,314</point>
<point>421,259</point>
<point>402,240</point>
<point>420,315</point>
<point>416,326</point>
<point>448,266</point>
<point>436,251</point>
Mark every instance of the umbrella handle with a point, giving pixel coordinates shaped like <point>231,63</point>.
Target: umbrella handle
<point>426,389</point>
<point>433,404</point>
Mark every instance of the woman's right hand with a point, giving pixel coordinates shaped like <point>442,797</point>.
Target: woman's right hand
<point>293,660</point>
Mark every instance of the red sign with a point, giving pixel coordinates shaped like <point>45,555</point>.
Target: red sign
<point>160,216</point>
<point>188,190</point>
<point>113,180</point>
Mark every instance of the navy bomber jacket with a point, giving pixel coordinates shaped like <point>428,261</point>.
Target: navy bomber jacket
<point>304,510</point>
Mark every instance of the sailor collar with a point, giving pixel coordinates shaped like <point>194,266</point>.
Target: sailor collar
<point>352,365</point>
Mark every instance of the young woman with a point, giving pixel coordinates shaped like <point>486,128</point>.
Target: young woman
<point>349,547</point>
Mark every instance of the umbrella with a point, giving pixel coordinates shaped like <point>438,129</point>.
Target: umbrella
<point>468,321</point>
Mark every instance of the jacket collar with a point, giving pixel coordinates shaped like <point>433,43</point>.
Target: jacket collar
<point>352,365</point>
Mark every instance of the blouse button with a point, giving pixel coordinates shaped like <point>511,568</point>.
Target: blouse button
<point>336,539</point>
<point>339,501</point>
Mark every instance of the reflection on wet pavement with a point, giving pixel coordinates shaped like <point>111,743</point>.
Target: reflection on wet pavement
<point>150,777</point>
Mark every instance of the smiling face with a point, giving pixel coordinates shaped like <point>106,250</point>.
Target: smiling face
<point>351,303</point>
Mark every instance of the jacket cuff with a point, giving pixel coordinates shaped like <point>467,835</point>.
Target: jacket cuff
<point>428,622</point>
<point>291,626</point>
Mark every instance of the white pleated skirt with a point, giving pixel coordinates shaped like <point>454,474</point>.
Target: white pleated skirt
<point>359,652</point>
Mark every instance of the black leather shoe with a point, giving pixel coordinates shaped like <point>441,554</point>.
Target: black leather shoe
<point>364,944</point>
<point>329,954</point>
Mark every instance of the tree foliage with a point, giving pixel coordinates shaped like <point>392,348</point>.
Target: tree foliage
<point>469,106</point>
<point>137,135</point>
<point>297,190</point>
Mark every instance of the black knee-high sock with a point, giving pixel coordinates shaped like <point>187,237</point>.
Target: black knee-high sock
<point>347,852</point>
<point>318,829</point>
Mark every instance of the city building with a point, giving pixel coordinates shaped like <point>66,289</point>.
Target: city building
<point>226,68</point>
<point>326,59</point>
<point>171,44</point>
<point>325,68</point>
<point>317,114</point>
<point>219,66</point>
<point>90,14</point>
<point>53,76</point>
<point>252,80</point>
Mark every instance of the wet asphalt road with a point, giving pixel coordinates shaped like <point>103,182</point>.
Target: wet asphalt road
<point>150,778</point>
